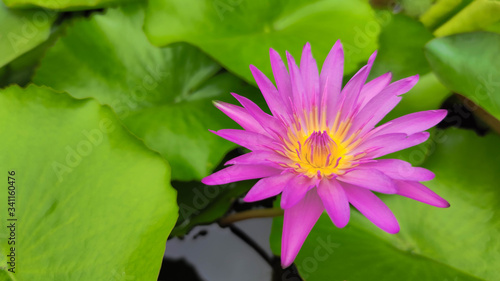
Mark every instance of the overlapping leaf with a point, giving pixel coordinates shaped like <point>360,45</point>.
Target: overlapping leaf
<point>163,95</point>
<point>468,64</point>
<point>66,5</point>
<point>240,32</point>
<point>91,201</point>
<point>22,30</point>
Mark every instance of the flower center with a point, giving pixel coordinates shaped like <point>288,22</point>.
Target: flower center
<point>319,150</point>
<point>319,155</point>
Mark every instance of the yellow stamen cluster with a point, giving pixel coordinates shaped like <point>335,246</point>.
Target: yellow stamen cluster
<point>320,150</point>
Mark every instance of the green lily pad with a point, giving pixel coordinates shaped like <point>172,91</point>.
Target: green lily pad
<point>91,201</point>
<point>401,50</point>
<point>468,64</point>
<point>458,243</point>
<point>238,33</point>
<point>163,95</point>
<point>65,5</point>
<point>22,30</point>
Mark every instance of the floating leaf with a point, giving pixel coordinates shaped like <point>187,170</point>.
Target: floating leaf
<point>163,95</point>
<point>91,201</point>
<point>65,5</point>
<point>240,32</point>
<point>25,30</point>
<point>468,64</point>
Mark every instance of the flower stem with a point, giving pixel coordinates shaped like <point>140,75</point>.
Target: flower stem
<point>250,214</point>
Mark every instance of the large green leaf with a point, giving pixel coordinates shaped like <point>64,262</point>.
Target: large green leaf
<point>458,243</point>
<point>163,95</point>
<point>240,32</point>
<point>468,64</point>
<point>401,50</point>
<point>91,201</point>
<point>22,31</point>
<point>66,5</point>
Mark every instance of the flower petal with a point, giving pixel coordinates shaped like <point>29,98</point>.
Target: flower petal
<point>295,190</point>
<point>373,88</point>
<point>352,89</point>
<point>370,179</point>
<point>258,157</point>
<point>420,192</point>
<point>297,223</point>
<point>270,124</point>
<point>335,201</point>
<point>378,107</point>
<point>396,142</point>
<point>240,173</point>
<point>413,122</point>
<point>271,95</point>
<point>250,140</point>
<point>281,76</point>
<point>298,90</point>
<point>331,78</point>
<point>268,187</point>
<point>310,76</point>
<point>241,116</point>
<point>372,208</point>
<point>399,169</point>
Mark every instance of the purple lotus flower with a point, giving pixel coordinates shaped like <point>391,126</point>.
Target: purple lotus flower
<point>318,147</point>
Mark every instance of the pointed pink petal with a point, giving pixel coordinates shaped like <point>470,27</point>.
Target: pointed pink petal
<point>372,208</point>
<point>271,95</point>
<point>420,192</point>
<point>413,122</point>
<point>373,88</point>
<point>371,179</point>
<point>378,107</point>
<point>270,124</point>
<point>298,90</point>
<point>399,169</point>
<point>353,88</point>
<point>331,78</point>
<point>250,140</point>
<point>239,173</point>
<point>396,142</point>
<point>297,223</point>
<point>310,76</point>
<point>258,157</point>
<point>335,201</point>
<point>281,76</point>
<point>268,187</point>
<point>295,190</point>
<point>241,116</point>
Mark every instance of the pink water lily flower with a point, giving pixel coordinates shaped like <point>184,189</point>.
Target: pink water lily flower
<point>319,146</point>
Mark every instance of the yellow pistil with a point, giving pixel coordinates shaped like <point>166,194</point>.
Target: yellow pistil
<point>320,150</point>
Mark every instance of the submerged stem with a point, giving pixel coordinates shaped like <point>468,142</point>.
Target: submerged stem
<point>250,214</point>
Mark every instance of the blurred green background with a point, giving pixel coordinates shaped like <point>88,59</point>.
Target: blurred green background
<point>105,107</point>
